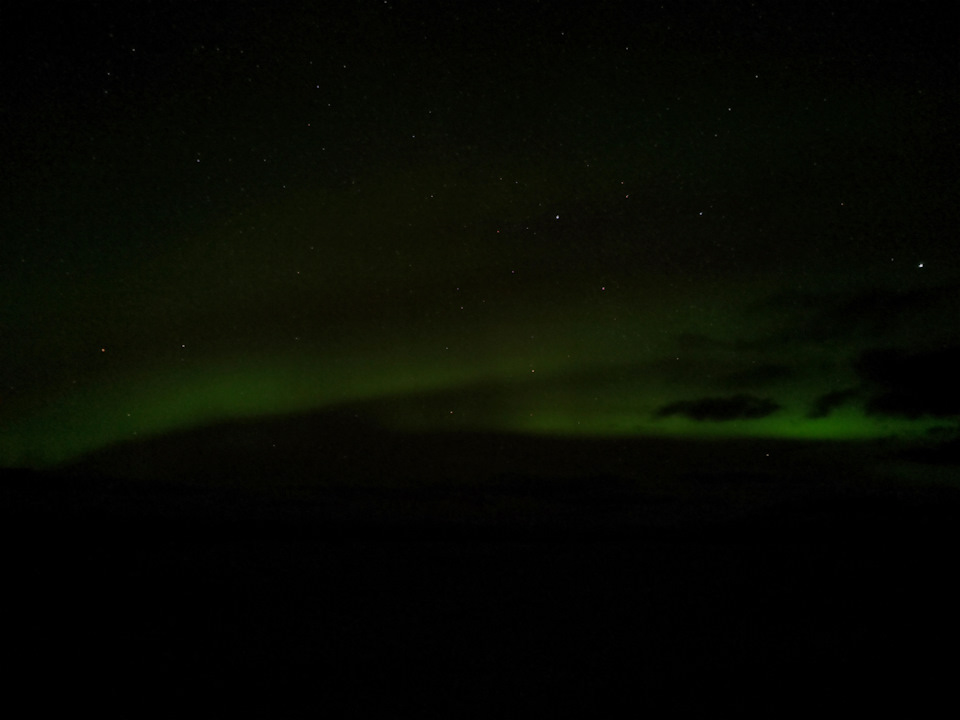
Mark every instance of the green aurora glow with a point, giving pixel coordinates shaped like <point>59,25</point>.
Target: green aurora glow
<point>501,394</point>
<point>313,306</point>
<point>476,253</point>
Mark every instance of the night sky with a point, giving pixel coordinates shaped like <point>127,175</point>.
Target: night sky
<point>685,219</point>
<point>487,359</point>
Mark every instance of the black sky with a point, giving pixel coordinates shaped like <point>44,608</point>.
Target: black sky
<point>693,218</point>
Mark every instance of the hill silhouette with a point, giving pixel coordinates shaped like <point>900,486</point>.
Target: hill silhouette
<point>317,561</point>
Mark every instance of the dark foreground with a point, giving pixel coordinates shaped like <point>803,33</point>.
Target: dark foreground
<point>513,598</point>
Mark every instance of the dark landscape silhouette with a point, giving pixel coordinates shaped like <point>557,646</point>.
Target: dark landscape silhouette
<point>320,561</point>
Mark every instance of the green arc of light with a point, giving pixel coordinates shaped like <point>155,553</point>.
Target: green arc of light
<point>402,391</point>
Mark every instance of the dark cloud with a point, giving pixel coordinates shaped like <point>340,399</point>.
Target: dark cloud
<point>897,315</point>
<point>734,365</point>
<point>830,401</point>
<point>719,409</point>
<point>911,385</point>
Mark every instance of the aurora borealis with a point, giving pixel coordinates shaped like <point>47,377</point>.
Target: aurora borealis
<point>388,358</point>
<point>684,222</point>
